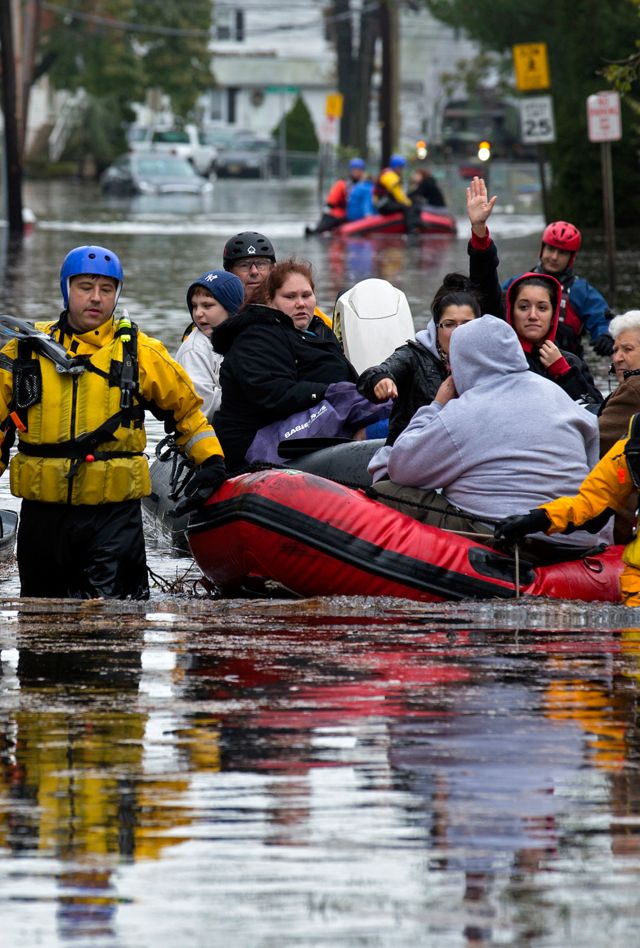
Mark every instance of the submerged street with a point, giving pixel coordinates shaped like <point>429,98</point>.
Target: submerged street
<point>278,772</point>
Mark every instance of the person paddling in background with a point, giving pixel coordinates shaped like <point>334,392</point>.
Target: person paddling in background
<point>336,202</point>
<point>532,306</point>
<point>211,299</point>
<point>425,189</point>
<point>80,467</point>
<point>390,196</point>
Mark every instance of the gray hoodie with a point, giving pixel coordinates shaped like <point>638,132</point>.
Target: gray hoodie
<point>511,440</point>
<point>429,339</point>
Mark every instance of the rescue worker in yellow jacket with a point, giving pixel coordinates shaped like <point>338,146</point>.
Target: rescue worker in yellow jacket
<point>604,491</point>
<point>75,392</point>
<point>390,197</point>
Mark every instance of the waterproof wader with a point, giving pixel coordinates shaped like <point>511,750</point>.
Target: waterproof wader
<point>82,551</point>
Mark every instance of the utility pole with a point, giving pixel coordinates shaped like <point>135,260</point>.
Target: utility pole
<point>30,17</point>
<point>13,162</point>
<point>388,111</point>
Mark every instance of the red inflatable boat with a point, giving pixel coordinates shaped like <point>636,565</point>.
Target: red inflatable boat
<point>435,220</point>
<point>316,537</point>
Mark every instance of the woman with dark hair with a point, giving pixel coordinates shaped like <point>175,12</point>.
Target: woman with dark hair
<point>533,309</point>
<point>278,358</point>
<point>536,325</point>
<point>412,374</point>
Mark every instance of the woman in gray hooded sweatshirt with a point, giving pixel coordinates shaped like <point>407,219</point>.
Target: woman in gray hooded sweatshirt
<point>497,439</point>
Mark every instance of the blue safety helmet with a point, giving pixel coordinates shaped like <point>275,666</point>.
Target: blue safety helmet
<point>357,163</point>
<point>397,161</point>
<point>97,261</point>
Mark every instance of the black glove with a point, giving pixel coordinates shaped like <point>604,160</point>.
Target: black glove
<point>513,528</point>
<point>207,478</point>
<point>603,345</point>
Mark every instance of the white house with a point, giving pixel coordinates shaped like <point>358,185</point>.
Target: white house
<point>264,55</point>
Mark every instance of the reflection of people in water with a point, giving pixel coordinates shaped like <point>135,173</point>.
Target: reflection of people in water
<point>74,759</point>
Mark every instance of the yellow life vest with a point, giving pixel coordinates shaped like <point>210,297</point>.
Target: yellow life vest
<point>84,443</point>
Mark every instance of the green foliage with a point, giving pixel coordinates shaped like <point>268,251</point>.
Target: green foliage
<point>299,128</point>
<point>474,75</point>
<point>116,66</point>
<point>179,65</point>
<point>97,58</point>
<point>583,40</point>
<point>99,132</point>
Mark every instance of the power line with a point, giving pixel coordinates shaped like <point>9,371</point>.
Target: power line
<point>129,27</point>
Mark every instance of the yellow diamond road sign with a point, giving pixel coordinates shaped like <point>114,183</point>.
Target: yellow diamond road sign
<point>531,66</point>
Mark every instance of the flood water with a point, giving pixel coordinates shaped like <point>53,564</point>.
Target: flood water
<point>326,772</point>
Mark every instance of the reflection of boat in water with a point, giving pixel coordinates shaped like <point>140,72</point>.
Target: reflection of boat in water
<point>433,220</point>
<point>8,532</point>
<point>317,537</point>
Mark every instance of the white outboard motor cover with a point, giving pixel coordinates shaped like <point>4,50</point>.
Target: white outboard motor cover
<point>371,320</point>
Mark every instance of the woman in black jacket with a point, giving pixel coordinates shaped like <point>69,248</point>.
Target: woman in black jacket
<point>414,372</point>
<point>278,359</point>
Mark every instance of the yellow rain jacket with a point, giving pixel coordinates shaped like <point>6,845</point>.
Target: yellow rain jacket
<point>608,485</point>
<point>391,182</point>
<point>58,461</point>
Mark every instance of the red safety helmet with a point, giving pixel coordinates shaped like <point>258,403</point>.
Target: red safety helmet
<point>564,236</point>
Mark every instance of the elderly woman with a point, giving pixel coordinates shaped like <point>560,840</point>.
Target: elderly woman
<point>615,414</point>
<point>278,359</point>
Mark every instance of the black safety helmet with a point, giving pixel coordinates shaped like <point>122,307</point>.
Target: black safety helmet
<point>247,244</point>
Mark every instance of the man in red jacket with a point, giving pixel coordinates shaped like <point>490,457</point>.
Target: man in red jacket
<point>334,211</point>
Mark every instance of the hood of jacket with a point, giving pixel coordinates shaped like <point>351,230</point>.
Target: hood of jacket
<point>484,351</point>
<point>429,339</point>
<point>511,295</point>
<point>224,335</point>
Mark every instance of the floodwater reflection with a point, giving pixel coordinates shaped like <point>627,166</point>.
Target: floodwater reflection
<point>318,773</point>
<point>350,772</point>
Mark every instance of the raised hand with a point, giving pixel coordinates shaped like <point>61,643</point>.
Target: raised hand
<point>479,206</point>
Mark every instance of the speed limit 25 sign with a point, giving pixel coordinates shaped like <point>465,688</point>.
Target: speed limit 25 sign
<point>536,120</point>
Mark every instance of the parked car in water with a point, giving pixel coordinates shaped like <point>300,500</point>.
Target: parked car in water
<point>149,172</point>
<point>245,157</point>
<point>186,141</point>
<point>224,136</point>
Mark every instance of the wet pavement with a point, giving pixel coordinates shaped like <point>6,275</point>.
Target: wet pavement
<point>328,772</point>
<point>350,772</point>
